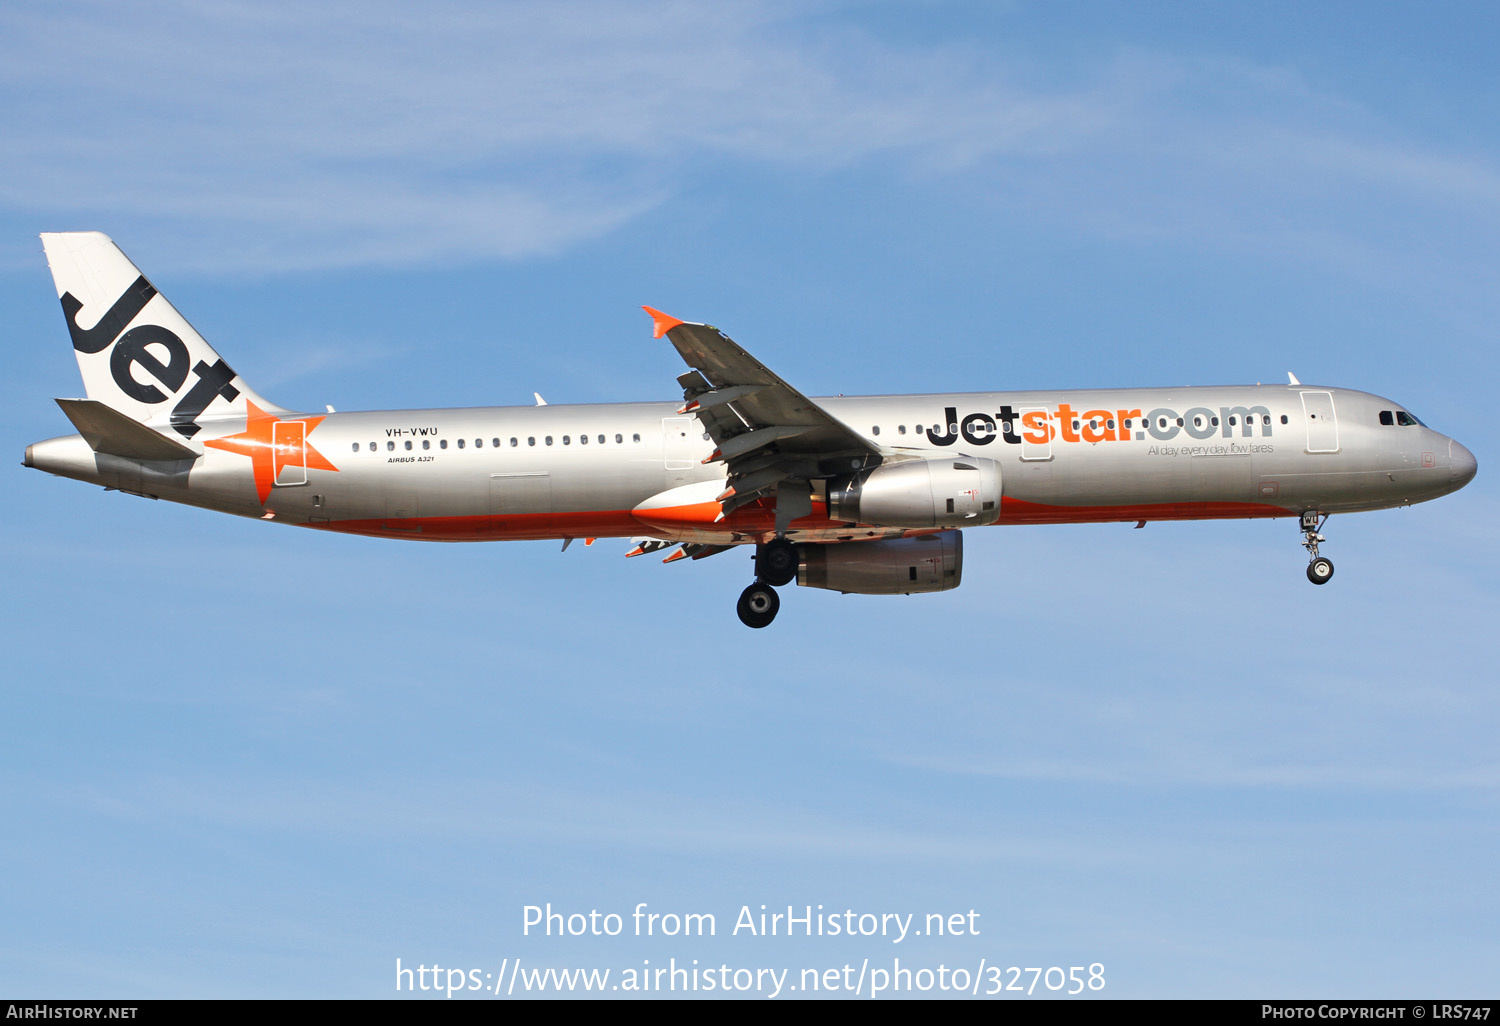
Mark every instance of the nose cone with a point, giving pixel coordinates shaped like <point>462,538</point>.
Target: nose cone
<point>1463,466</point>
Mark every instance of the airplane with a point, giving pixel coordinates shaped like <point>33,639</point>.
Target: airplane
<point>865,494</point>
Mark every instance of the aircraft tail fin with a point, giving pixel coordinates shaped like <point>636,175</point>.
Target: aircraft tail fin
<point>139,357</point>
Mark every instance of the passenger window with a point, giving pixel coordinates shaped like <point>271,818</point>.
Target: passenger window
<point>874,430</point>
<point>372,446</point>
<point>356,447</point>
<point>582,439</point>
<point>444,443</point>
<point>408,445</point>
<point>531,440</point>
<point>460,443</point>
<point>601,439</point>
<point>390,446</point>
<point>619,439</point>
<point>1283,418</point>
<point>900,429</point>
<point>548,439</point>
<point>566,440</point>
<point>635,438</point>
<point>1266,419</point>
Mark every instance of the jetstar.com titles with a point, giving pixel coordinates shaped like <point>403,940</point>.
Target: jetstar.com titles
<point>1038,425</point>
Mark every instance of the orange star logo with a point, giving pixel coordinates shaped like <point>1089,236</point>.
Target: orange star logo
<point>273,445</point>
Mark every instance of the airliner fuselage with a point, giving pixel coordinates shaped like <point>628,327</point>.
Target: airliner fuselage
<point>558,471</point>
<point>861,494</point>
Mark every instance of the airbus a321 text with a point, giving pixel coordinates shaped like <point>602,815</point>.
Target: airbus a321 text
<point>852,494</point>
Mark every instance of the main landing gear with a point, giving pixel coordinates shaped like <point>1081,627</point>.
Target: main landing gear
<point>775,565</point>
<point>776,562</point>
<point>758,605</point>
<point>1319,568</point>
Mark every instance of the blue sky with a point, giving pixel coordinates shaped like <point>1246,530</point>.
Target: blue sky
<point>251,761</point>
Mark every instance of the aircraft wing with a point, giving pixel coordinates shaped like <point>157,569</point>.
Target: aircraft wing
<point>766,432</point>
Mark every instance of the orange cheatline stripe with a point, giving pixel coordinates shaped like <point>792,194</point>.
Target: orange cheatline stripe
<point>1021,511</point>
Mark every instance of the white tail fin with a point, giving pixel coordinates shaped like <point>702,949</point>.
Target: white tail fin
<point>138,355</point>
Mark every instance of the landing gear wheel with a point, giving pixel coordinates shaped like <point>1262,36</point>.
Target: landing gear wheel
<point>1320,570</point>
<point>758,605</point>
<point>776,562</point>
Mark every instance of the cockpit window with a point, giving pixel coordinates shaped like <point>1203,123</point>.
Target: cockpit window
<point>1406,420</point>
<point>1387,418</point>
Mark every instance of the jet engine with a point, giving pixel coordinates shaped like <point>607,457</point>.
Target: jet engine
<point>890,566</point>
<point>961,491</point>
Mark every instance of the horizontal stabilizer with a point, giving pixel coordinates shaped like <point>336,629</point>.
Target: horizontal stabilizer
<point>111,432</point>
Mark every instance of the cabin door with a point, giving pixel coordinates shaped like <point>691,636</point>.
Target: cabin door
<point>1322,423</point>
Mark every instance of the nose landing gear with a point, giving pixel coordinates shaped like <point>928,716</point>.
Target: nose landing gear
<point>1319,568</point>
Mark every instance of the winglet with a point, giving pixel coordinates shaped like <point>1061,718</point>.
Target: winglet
<point>663,323</point>
<point>1292,379</point>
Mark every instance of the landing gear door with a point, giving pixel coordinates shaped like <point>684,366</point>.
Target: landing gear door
<point>1322,423</point>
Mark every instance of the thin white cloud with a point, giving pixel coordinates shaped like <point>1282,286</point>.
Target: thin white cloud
<point>398,134</point>
<point>278,136</point>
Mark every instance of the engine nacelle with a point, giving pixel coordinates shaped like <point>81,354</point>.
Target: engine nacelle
<point>890,566</point>
<point>956,491</point>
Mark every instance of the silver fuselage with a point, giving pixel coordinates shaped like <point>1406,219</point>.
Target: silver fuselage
<point>564,471</point>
